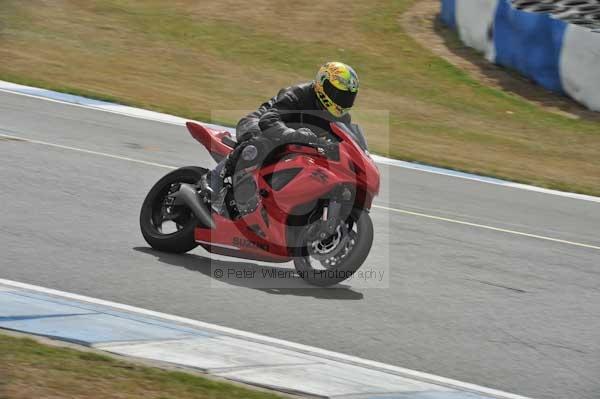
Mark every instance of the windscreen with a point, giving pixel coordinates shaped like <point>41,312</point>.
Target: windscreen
<point>355,132</point>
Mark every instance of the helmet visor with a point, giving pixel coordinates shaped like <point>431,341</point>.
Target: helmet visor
<point>342,98</point>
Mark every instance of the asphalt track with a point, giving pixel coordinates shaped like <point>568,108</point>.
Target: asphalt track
<point>487,284</point>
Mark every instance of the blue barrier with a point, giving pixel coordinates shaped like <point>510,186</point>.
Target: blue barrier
<point>448,13</point>
<point>557,55</point>
<point>530,43</point>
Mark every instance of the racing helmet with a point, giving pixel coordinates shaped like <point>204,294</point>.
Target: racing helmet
<point>336,87</point>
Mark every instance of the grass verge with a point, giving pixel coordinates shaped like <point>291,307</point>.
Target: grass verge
<point>29,369</point>
<point>194,57</point>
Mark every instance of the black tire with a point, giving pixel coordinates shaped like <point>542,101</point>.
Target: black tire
<point>350,264</point>
<point>182,240</point>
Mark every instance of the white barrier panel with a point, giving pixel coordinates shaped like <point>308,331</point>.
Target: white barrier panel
<point>580,66</point>
<point>475,21</point>
<point>555,43</point>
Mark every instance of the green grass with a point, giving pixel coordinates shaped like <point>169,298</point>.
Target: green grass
<point>29,369</point>
<point>217,60</point>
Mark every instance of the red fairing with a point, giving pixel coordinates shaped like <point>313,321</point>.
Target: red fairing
<point>235,238</point>
<point>366,170</point>
<point>263,234</point>
<point>211,139</point>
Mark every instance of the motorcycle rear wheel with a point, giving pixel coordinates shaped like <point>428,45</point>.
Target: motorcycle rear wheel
<point>152,216</point>
<point>361,230</point>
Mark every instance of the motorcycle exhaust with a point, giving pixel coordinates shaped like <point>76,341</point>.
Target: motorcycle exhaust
<point>188,195</point>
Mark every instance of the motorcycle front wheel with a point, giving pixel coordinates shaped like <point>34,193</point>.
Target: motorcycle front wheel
<point>337,258</point>
<point>168,227</point>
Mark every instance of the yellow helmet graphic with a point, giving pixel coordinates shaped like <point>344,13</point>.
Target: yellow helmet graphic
<point>336,87</point>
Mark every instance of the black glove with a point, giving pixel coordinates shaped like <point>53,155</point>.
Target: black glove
<point>302,135</point>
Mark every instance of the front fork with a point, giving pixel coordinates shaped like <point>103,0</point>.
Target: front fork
<point>339,203</point>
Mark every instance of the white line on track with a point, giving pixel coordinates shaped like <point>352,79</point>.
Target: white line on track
<point>95,105</point>
<point>400,211</point>
<point>275,342</point>
<point>132,112</point>
<point>103,154</point>
<point>482,226</point>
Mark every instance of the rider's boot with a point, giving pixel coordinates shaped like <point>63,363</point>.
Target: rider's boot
<point>205,187</point>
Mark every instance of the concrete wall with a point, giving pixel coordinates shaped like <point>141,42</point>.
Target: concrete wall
<point>558,55</point>
<point>580,66</point>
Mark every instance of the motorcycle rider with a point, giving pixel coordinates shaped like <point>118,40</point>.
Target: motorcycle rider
<point>297,114</point>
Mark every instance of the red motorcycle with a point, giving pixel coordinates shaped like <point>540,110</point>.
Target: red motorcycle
<point>305,202</point>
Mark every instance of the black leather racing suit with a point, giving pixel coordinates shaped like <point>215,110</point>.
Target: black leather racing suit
<point>275,122</point>
<point>292,108</point>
